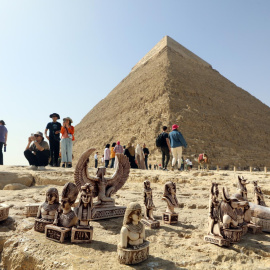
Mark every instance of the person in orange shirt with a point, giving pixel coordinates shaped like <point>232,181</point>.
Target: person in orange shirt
<point>67,131</point>
<point>112,155</point>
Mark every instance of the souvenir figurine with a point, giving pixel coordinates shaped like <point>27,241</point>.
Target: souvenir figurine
<point>103,187</point>
<point>4,211</point>
<point>258,195</point>
<point>47,210</point>
<point>214,233</point>
<point>169,195</point>
<point>149,219</point>
<point>83,232</point>
<point>132,248</point>
<point>65,217</point>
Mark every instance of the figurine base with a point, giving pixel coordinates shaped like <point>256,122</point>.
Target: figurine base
<point>40,225</point>
<point>152,224</point>
<point>133,256</point>
<point>264,223</point>
<point>169,218</point>
<point>58,234</point>
<point>107,212</point>
<point>31,209</point>
<point>252,228</point>
<point>234,235</point>
<point>81,235</point>
<point>4,211</point>
<point>217,240</point>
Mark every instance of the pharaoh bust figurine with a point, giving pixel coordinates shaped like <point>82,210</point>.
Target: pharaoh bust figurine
<point>169,196</point>
<point>47,210</point>
<point>148,200</point>
<point>83,211</point>
<point>133,232</point>
<point>132,248</point>
<point>65,217</point>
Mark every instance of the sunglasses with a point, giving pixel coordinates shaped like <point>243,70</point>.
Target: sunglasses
<point>36,135</point>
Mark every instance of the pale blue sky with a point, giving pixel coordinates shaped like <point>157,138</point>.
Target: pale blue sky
<point>65,56</point>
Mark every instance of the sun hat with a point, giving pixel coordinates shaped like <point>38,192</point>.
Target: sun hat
<point>55,115</point>
<point>174,127</point>
<point>2,122</point>
<point>68,118</point>
<point>39,133</point>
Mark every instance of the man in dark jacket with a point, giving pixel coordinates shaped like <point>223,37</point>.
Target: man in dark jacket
<point>165,148</point>
<point>177,141</point>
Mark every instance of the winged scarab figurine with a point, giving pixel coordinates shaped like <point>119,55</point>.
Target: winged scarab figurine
<point>103,187</point>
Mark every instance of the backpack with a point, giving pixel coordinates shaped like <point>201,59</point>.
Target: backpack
<point>160,140</point>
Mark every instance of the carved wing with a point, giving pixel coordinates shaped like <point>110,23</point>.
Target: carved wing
<point>120,176</point>
<point>81,176</point>
<point>226,209</point>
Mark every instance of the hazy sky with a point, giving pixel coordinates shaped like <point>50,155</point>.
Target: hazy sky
<point>65,56</point>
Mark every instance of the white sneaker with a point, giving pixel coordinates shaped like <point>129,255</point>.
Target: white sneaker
<point>32,167</point>
<point>41,168</point>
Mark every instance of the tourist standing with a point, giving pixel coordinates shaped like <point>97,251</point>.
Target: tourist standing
<point>3,139</point>
<point>118,149</point>
<point>165,147</point>
<point>112,155</point>
<point>54,128</point>
<point>37,151</point>
<point>177,141</point>
<point>146,154</point>
<point>67,131</point>
<point>130,153</point>
<point>96,159</point>
<point>107,154</point>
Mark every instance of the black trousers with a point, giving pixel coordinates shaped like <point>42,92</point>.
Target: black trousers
<point>54,151</point>
<point>40,159</point>
<point>1,153</point>
<point>96,163</point>
<point>165,153</point>
<point>145,161</point>
<point>107,163</point>
<point>112,162</point>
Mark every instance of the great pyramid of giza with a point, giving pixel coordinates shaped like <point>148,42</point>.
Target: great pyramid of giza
<point>171,85</point>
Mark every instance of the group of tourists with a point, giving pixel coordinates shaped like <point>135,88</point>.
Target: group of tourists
<point>38,152</point>
<point>138,157</point>
<point>172,142</point>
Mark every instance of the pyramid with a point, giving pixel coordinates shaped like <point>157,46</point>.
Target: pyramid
<point>172,85</point>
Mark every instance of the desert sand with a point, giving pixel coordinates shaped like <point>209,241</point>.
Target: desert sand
<point>178,246</point>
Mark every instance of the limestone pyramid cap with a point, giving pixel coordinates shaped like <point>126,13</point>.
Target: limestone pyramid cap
<point>174,45</point>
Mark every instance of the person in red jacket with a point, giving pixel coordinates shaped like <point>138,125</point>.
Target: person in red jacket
<point>67,131</point>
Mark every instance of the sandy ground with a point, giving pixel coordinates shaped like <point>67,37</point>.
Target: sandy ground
<point>178,246</point>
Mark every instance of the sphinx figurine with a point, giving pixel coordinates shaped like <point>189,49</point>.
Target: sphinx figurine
<point>83,232</point>
<point>133,248</point>
<point>214,235</point>
<point>169,195</point>
<point>103,187</point>
<point>46,211</point>
<point>258,195</point>
<point>149,219</point>
<point>65,217</point>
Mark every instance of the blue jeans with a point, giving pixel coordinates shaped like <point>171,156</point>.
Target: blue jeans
<point>66,150</point>
<point>112,163</point>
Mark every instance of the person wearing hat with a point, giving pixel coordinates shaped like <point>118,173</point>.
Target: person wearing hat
<point>3,139</point>
<point>37,151</point>
<point>67,131</point>
<point>177,141</point>
<point>54,128</point>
